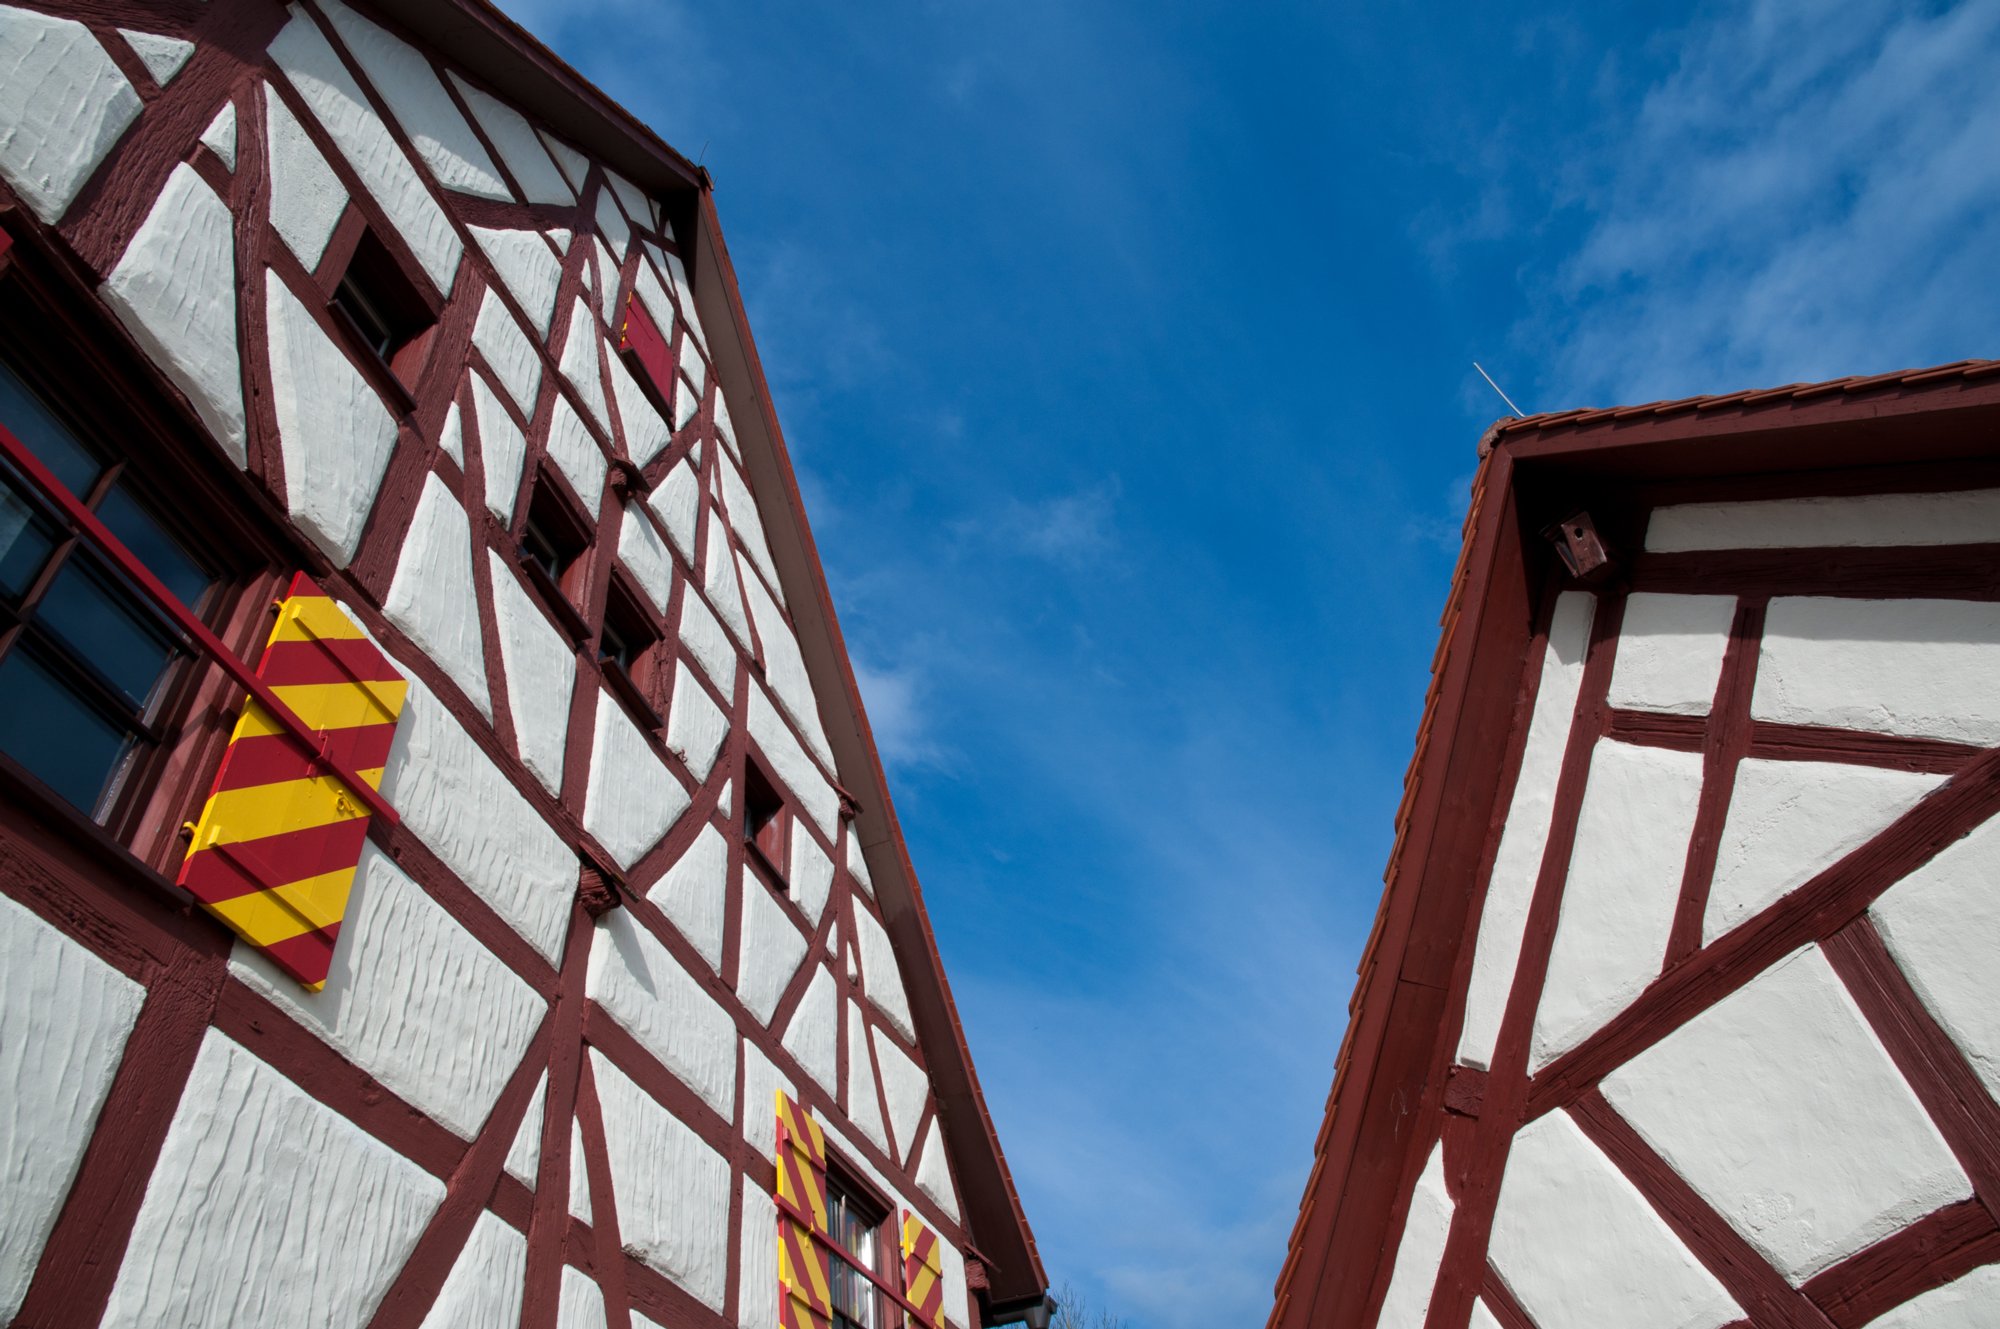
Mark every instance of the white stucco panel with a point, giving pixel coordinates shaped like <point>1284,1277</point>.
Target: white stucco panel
<point>794,767</point>
<point>64,1019</point>
<point>811,877</point>
<point>1790,820</point>
<point>705,639</point>
<point>323,82</point>
<point>905,1087</point>
<point>1623,887</point>
<point>812,1035</point>
<point>451,435</point>
<point>1917,667</point>
<point>432,596</point>
<point>645,555</point>
<point>63,106</point>
<point>880,974</point>
<point>266,1207</point>
<point>418,100</point>
<point>527,267</point>
<point>859,1097</point>
<point>772,947</point>
<point>162,56</point>
<point>762,1081</point>
<point>1421,1249</point>
<point>1966,517</point>
<point>220,136</point>
<point>457,802</point>
<point>577,455</point>
<point>1481,1317</point>
<point>785,668</point>
<point>175,291</point>
<point>677,500</point>
<point>748,522</point>
<point>1504,916</point>
<point>486,1281</point>
<point>581,366</point>
<point>513,358</point>
<point>503,449</point>
<point>575,166</point>
<point>757,1278</point>
<point>665,1008</point>
<point>636,205</point>
<point>696,728</point>
<point>524,1155</point>
<point>632,798</point>
<point>646,433</point>
<point>307,198</point>
<point>611,221</point>
<point>684,296</point>
<point>694,893</point>
<point>673,1190</point>
<point>541,674</point>
<point>1942,923</point>
<point>579,1175</point>
<point>579,1301</point>
<point>520,150</point>
<point>725,594</point>
<point>934,1170</point>
<point>334,432</point>
<point>606,282</point>
<point>1670,652</point>
<point>1582,1249</point>
<point>1780,1106</point>
<point>857,864</point>
<point>412,998</point>
<point>1965,1303</point>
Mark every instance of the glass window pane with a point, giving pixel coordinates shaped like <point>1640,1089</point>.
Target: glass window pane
<point>45,436</point>
<point>106,626</point>
<point>160,552</point>
<point>25,542</point>
<point>67,744</point>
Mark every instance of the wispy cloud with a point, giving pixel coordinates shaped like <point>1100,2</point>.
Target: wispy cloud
<point>899,716</point>
<point>1063,528</point>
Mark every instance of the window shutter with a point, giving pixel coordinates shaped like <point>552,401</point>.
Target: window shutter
<point>275,849</point>
<point>805,1273</point>
<point>923,1272</point>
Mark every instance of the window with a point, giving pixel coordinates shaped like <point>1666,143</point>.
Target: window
<point>383,307</point>
<point>626,651</point>
<point>765,821</point>
<point>856,1227</point>
<point>86,661</point>
<point>555,539</point>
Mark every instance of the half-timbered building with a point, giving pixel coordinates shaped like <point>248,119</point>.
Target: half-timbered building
<point>1679,1010</point>
<point>446,877</point>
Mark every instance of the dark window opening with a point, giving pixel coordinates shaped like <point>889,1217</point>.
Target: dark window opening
<point>86,661</point>
<point>555,543</point>
<point>383,307</point>
<point>855,1225</point>
<point>627,649</point>
<point>765,820</point>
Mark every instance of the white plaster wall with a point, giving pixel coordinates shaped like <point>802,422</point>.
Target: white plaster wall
<point>63,106</point>
<point>1967,517</point>
<point>646,434</point>
<point>266,1208</point>
<point>934,1170</point>
<point>710,645</point>
<point>684,297</point>
<point>524,1155</point>
<point>1790,820</point>
<point>432,597</point>
<point>412,998</point>
<point>1782,1109</point>
<point>573,163</point>
<point>785,669</point>
<point>678,499</point>
<point>1942,923</point>
<point>694,892</point>
<point>541,674</point>
<point>646,556</point>
<point>661,1005</point>
<point>1670,651</point>
<point>1481,1317</point>
<point>1623,887</point>
<point>812,1035</point>
<point>451,435</point>
<point>503,449</point>
<point>512,357</point>
<point>672,1190</point>
<point>719,574</point>
<point>577,455</point>
<point>1918,667</point>
<point>579,1175</point>
<point>1511,887</point>
<point>724,429</point>
<point>611,221</point>
<point>580,364</point>
<point>607,285</point>
<point>794,767</point>
<point>580,1302</point>
<point>307,198</point>
<point>220,136</point>
<point>747,521</point>
<point>416,97</point>
<point>527,267</point>
<point>694,367</point>
<point>163,57</point>
<point>175,291</point>
<point>333,431</point>
<point>457,802</point>
<point>632,797</point>
<point>1580,1248</point>
<point>905,1087</point>
<point>762,1081</point>
<point>811,876</point>
<point>520,151</point>
<point>1971,1302</point>
<point>880,974</point>
<point>857,865</point>
<point>772,947</point>
<point>696,727</point>
<point>64,1019</point>
<point>635,203</point>
<point>861,1103</point>
<point>1421,1249</point>
<point>757,1276</point>
<point>336,99</point>
<point>486,1281</point>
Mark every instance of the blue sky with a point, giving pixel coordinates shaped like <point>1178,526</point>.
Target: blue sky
<point>1124,350</point>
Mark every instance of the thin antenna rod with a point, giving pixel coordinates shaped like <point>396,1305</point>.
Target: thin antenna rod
<point>1519,414</point>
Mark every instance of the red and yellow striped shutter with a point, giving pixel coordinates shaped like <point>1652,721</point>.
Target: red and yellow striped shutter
<point>276,847</point>
<point>805,1272</point>
<point>923,1272</point>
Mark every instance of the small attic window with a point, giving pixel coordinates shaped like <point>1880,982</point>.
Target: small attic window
<point>766,823</point>
<point>382,306</point>
<point>555,539</point>
<point>627,651</point>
